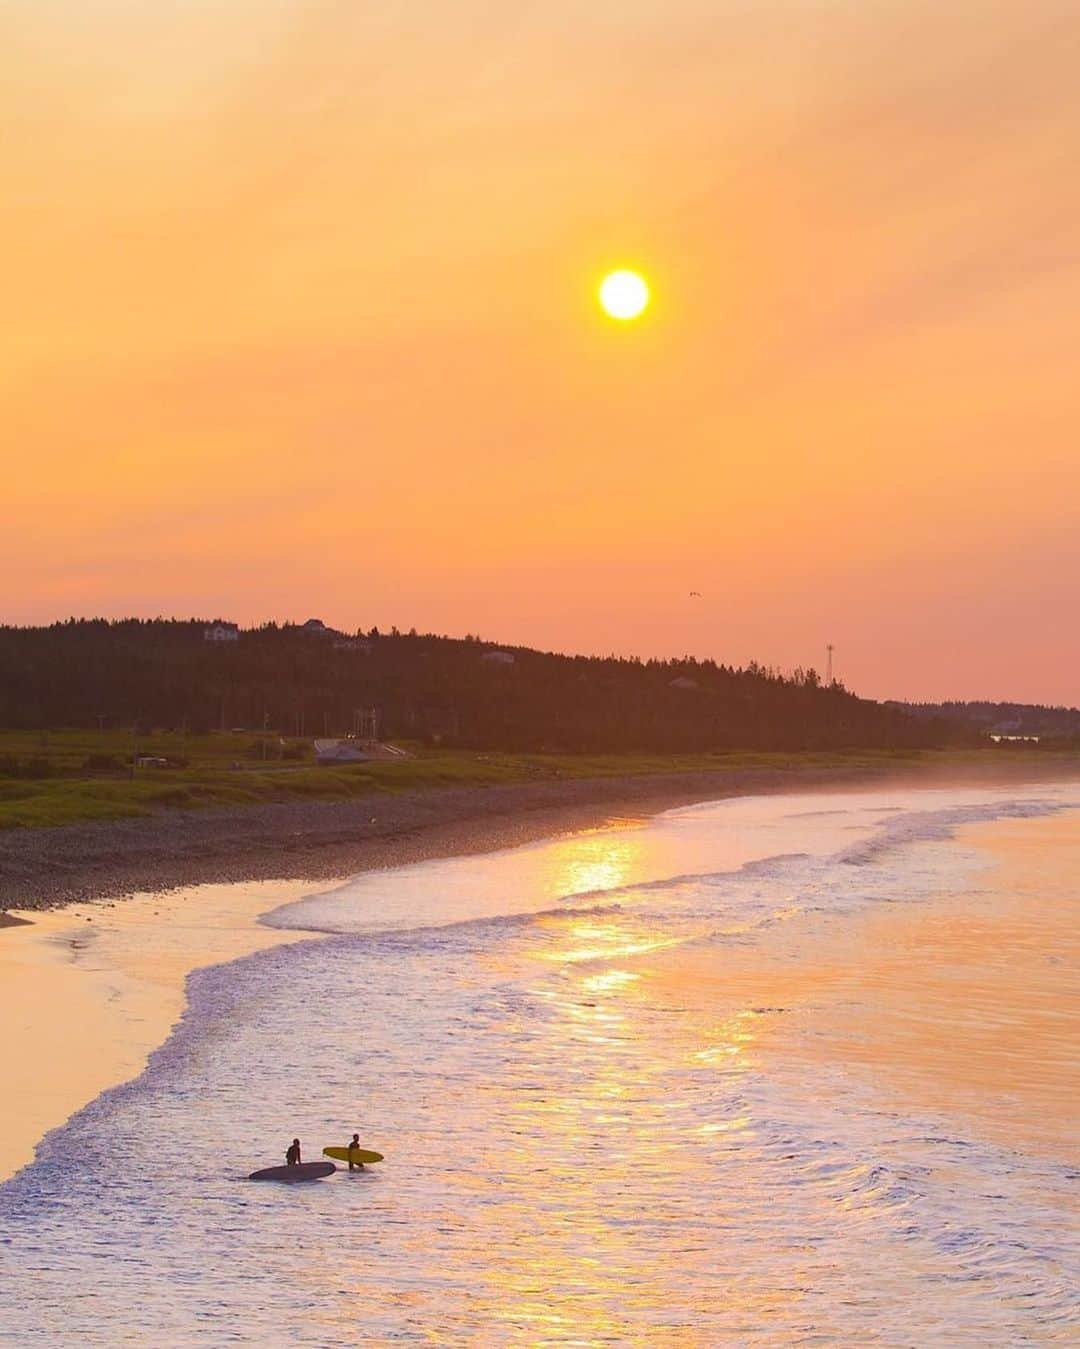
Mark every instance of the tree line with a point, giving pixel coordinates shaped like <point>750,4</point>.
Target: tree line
<point>1057,724</point>
<point>164,674</point>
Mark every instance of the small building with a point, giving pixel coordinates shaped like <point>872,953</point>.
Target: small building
<point>221,632</point>
<point>498,657</point>
<point>339,752</point>
<point>683,682</point>
<point>317,627</point>
<point>360,644</point>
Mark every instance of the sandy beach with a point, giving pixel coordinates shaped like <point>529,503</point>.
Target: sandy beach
<point>89,989</point>
<point>833,1025</point>
<point>93,970</point>
<point>88,992</point>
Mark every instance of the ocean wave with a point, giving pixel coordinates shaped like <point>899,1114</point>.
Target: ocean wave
<point>346,909</point>
<point>563,1140</point>
<point>938,826</point>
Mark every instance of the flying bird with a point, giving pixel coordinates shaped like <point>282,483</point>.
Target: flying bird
<point>695,594</point>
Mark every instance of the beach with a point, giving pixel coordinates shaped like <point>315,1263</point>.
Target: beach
<point>88,992</point>
<point>796,1023</point>
<point>43,868</point>
<point>86,947</point>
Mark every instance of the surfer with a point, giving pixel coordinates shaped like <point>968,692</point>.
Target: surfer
<point>354,1147</point>
<point>292,1156</point>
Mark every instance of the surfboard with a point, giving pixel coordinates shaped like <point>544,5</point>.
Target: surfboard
<point>305,1171</point>
<point>358,1155</point>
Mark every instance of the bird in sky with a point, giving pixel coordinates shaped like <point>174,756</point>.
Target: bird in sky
<point>695,594</point>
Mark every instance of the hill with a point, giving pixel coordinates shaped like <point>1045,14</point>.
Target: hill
<point>309,680</point>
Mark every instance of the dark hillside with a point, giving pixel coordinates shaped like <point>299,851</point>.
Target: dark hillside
<point>301,681</point>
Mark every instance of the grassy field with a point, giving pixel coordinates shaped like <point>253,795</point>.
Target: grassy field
<point>58,777</point>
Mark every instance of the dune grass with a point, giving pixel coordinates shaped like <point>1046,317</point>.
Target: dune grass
<point>223,769</point>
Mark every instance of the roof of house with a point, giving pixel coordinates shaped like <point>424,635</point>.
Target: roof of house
<point>344,751</point>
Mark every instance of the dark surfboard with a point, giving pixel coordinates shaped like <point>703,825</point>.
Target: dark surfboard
<point>305,1171</point>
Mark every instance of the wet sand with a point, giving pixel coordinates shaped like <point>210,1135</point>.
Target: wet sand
<point>87,993</point>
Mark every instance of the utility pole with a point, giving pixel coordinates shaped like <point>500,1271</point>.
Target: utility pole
<point>828,665</point>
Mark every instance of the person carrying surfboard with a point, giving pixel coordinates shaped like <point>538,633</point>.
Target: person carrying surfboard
<point>292,1155</point>
<point>355,1164</point>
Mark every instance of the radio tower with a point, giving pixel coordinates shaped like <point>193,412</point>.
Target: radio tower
<point>828,665</point>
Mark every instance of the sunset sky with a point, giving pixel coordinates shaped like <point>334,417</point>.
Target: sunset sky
<point>301,319</point>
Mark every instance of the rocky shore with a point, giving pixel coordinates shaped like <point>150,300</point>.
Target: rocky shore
<point>43,868</point>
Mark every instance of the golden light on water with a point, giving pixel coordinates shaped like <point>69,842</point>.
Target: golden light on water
<point>624,295</point>
<point>603,938</point>
<point>593,862</point>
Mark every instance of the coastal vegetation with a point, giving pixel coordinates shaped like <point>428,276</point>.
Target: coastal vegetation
<point>55,777</point>
<point>303,681</point>
<point>1061,725</point>
<point>157,717</point>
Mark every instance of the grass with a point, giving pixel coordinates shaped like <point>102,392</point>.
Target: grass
<point>68,791</point>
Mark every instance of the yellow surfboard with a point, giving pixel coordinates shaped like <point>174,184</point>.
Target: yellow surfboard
<point>358,1155</point>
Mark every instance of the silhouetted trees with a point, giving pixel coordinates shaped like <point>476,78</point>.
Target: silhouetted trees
<point>1056,724</point>
<point>162,673</point>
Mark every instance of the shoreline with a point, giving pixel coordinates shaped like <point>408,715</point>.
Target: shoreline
<point>87,997</point>
<point>117,968</point>
<point>48,868</point>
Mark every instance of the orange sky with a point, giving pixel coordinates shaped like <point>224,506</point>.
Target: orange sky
<point>300,321</point>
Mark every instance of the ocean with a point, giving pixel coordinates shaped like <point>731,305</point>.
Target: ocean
<point>786,1070</point>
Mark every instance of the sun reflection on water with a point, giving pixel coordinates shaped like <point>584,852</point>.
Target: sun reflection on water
<point>593,862</point>
<point>730,1039</point>
<point>614,938</point>
<point>602,1127</point>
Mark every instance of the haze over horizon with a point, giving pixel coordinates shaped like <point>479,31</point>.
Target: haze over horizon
<point>304,323</point>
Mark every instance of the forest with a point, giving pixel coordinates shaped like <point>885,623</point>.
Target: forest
<point>307,680</point>
<point>1058,725</point>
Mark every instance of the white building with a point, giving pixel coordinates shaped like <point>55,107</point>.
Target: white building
<point>221,632</point>
<point>498,657</point>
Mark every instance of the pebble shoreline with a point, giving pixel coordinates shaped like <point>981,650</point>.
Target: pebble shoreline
<point>46,868</point>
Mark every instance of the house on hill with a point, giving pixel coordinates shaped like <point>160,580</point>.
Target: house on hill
<point>221,632</point>
<point>498,657</point>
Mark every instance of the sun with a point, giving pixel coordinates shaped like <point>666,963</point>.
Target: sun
<point>624,295</point>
